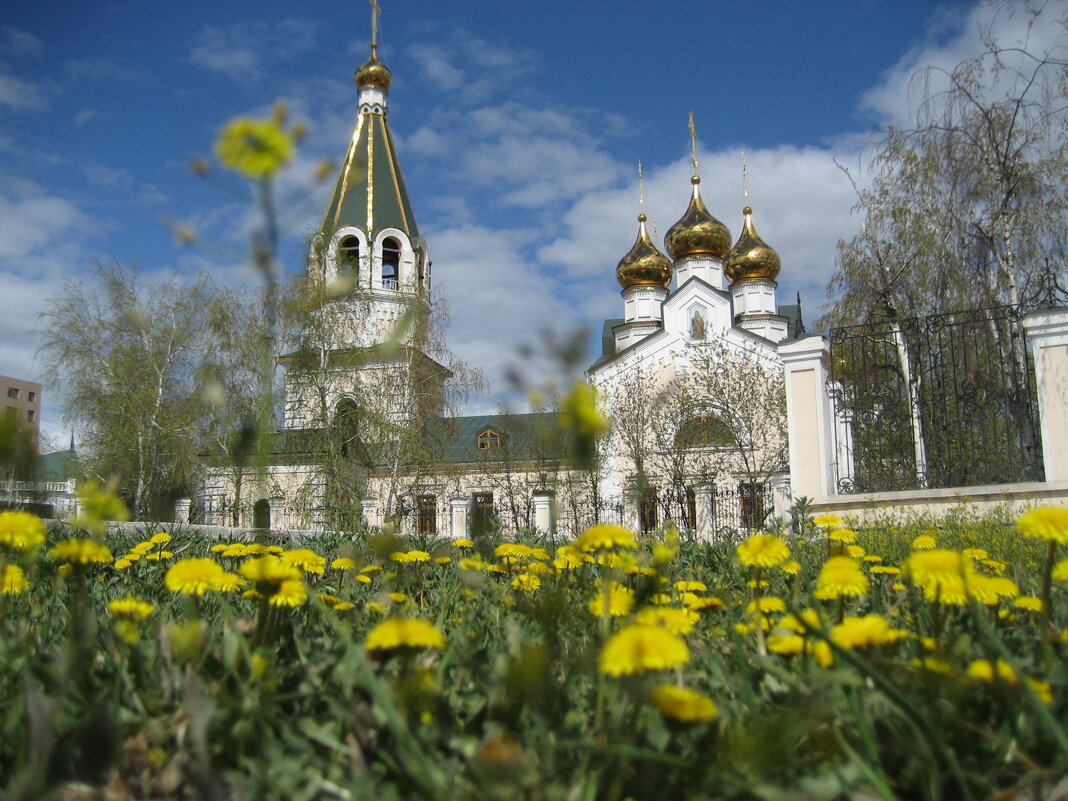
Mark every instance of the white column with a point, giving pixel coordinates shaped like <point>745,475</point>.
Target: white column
<point>704,525</point>
<point>369,510</point>
<point>809,413</point>
<point>1047,334</point>
<point>631,511</point>
<point>277,506</point>
<point>181,510</point>
<point>458,518</point>
<point>543,511</point>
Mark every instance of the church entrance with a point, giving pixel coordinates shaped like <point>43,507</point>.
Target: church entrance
<point>261,514</point>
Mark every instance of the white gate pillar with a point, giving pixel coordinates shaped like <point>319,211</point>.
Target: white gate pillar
<point>458,518</point>
<point>810,416</point>
<point>543,511</point>
<point>1047,334</point>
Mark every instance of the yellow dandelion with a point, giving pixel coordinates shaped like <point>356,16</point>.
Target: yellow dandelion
<point>80,552</point>
<point>253,147</point>
<point>993,566</point>
<point>193,576</point>
<point>526,582</point>
<point>375,608</point>
<point>691,586</point>
<point>810,619</point>
<point>443,560</point>
<point>130,609</point>
<point>786,644</point>
<point>398,597</point>
<point>1060,571</point>
<point>677,621</point>
<point>513,550</point>
<point>872,558</point>
<point>864,632</point>
<point>620,601</point>
<point>924,542</point>
<point>158,556</point>
<point>1028,603</point>
<point>268,570</point>
<point>13,581</point>
<point>291,592</point>
<point>121,563</point>
<point>371,569</point>
<point>162,538</point>
<point>1045,523</point>
<point>236,550</point>
<point>141,548</point>
<point>885,570</point>
<point>989,590</point>
<point>763,550</point>
<point>472,563</point>
<point>841,577</point>
<point>990,673</point>
<point>765,606</point>
<point>306,559</point>
<point>21,531</point>
<point>843,536</point>
<point>605,536</point>
<point>640,649</point>
<point>707,602</point>
<point>683,704</point>
<point>934,567</point>
<point>463,542</point>
<point>827,521</point>
<point>219,547</point>
<point>344,606</point>
<point>791,567</point>
<point>402,632</point>
<point>978,554</point>
<point>228,582</point>
<point>854,551</point>
<point>363,578</point>
<point>343,563</point>
<point>276,550</point>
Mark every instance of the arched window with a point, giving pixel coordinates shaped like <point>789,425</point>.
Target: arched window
<point>391,252</point>
<point>348,258</point>
<point>705,431</point>
<point>346,421</point>
<point>488,439</point>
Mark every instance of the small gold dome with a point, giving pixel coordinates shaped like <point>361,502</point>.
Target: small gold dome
<point>373,72</point>
<point>751,258</point>
<point>698,233</point>
<point>644,265</point>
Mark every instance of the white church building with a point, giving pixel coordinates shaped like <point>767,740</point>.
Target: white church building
<point>365,390</point>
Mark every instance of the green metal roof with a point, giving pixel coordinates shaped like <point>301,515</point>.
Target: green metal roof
<point>370,192</point>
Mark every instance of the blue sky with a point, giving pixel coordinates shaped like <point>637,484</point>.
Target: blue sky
<point>519,126</point>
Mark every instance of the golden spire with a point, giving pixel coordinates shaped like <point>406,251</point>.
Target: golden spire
<point>644,264</point>
<point>697,233</point>
<point>373,72</point>
<point>751,258</point>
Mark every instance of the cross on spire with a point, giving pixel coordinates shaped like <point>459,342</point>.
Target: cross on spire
<point>693,143</point>
<point>375,11</point>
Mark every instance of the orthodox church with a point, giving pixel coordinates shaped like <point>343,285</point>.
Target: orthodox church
<point>365,422</point>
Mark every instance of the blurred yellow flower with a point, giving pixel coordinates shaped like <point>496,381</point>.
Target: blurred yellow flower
<point>96,506</point>
<point>763,550</point>
<point>463,542</point>
<point>765,606</point>
<point>841,577</point>
<point>193,576</point>
<point>254,148</point>
<point>924,542</point>
<point>292,592</point>
<point>843,536</point>
<point>1028,603</point>
<point>864,632</point>
<point>398,597</point>
<point>640,649</point>
<point>786,644</point>
<point>306,559</point>
<point>605,536</point>
<point>1045,523</point>
<point>13,581</point>
<point>343,563</point>
<point>527,582</point>
<point>401,632</point>
<point>620,601</point>
<point>21,530</point>
<point>80,552</point>
<point>130,609</point>
<point>827,521</point>
<point>1060,571</point>
<point>683,704</point>
<point>677,621</point>
<point>158,556</point>
<point>160,538</point>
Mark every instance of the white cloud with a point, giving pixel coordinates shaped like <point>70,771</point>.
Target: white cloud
<point>242,50</point>
<point>85,115</point>
<point>23,95</point>
<point>31,220</point>
<point>16,42</point>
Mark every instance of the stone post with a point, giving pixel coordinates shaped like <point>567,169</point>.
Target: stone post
<point>458,518</point>
<point>704,525</point>
<point>277,505</point>
<point>181,510</point>
<point>1047,334</point>
<point>631,507</point>
<point>810,416</point>
<point>543,511</point>
<point>369,510</point>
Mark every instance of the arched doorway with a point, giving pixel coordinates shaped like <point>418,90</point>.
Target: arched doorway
<point>261,514</point>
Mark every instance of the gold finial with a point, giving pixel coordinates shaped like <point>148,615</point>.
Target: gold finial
<point>693,144</point>
<point>375,11</point>
<point>745,179</point>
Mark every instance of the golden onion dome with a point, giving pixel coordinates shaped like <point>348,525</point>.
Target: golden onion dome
<point>698,233</point>
<point>373,72</point>
<point>644,265</point>
<point>751,258</point>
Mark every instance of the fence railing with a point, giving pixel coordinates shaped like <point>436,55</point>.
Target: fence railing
<point>941,401</point>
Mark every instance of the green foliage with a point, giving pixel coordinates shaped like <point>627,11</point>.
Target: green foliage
<point>209,698</point>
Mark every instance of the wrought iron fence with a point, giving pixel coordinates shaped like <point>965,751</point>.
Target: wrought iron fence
<point>941,401</point>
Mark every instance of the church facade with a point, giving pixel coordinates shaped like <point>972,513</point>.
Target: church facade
<point>367,437</point>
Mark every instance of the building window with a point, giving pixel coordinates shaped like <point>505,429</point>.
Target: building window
<point>489,439</point>
<point>31,415</point>
<point>390,263</point>
<point>481,513</point>
<point>705,431</point>
<point>348,258</point>
<point>752,504</point>
<point>647,512</point>
<point>33,397</point>
<point>12,392</point>
<point>428,515</point>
